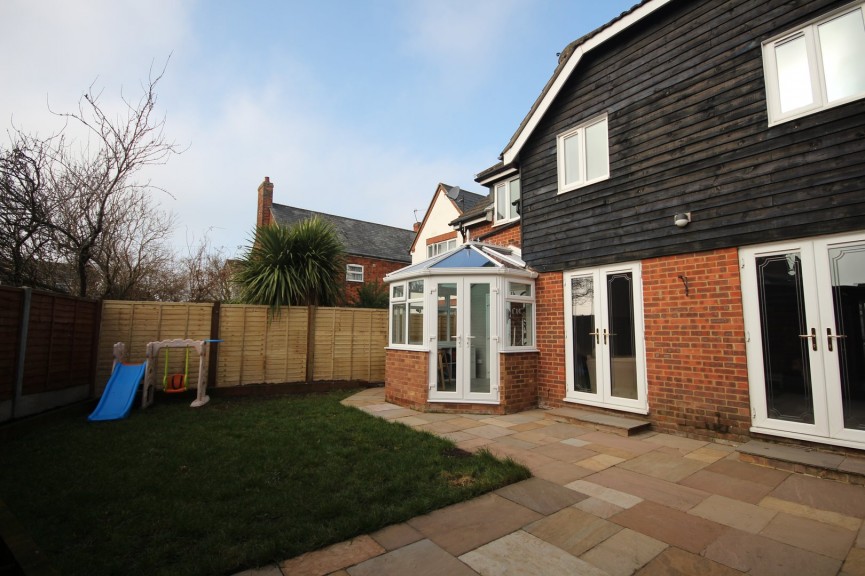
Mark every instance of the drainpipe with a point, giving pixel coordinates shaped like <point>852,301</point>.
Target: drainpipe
<point>22,351</point>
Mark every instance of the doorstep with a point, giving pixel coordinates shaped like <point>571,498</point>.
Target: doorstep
<point>804,460</point>
<point>620,425</point>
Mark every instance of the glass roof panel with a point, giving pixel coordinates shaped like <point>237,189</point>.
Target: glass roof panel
<point>465,258</point>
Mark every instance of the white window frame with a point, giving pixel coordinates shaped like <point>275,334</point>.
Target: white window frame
<point>819,98</point>
<point>440,247</point>
<point>354,273</point>
<point>580,133</point>
<point>512,213</point>
<point>401,296</point>
<point>523,299</point>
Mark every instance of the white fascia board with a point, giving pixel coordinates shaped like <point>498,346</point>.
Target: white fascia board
<point>498,176</point>
<point>511,153</point>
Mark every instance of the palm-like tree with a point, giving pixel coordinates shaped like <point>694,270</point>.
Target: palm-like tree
<point>299,265</point>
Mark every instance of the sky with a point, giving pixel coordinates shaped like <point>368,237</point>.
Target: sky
<point>352,107</point>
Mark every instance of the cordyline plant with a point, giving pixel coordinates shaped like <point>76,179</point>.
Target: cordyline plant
<point>301,265</point>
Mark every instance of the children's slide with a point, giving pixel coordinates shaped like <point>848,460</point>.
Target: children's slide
<point>119,393</point>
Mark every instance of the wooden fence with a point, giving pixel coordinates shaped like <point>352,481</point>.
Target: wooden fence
<point>47,350</point>
<point>297,345</point>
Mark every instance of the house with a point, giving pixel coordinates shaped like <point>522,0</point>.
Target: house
<point>692,209</point>
<point>435,235</point>
<point>372,250</point>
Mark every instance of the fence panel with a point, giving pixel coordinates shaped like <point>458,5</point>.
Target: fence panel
<point>138,323</point>
<point>11,301</point>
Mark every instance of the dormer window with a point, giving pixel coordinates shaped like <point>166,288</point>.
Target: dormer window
<point>583,155</point>
<point>507,201</point>
<point>817,66</point>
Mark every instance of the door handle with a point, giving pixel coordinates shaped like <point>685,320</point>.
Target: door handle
<point>610,334</point>
<point>813,336</point>
<point>829,337</point>
<point>597,335</point>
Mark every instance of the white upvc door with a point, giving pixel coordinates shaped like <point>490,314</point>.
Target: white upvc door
<point>604,338</point>
<point>804,305</point>
<point>465,341</point>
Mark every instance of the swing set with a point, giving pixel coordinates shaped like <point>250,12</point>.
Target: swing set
<point>176,383</point>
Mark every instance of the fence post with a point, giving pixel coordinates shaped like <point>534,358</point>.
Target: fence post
<point>310,343</point>
<point>23,331</point>
<point>94,350</point>
<point>213,357</point>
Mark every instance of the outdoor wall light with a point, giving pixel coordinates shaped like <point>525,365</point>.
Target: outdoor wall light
<point>682,219</point>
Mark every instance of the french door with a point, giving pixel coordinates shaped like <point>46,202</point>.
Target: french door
<point>804,304</point>
<point>604,345</point>
<point>463,366</point>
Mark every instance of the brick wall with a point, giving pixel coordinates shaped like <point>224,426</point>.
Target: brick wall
<point>265,201</point>
<point>551,338</point>
<point>373,270</point>
<point>405,378</point>
<point>695,346</point>
<point>518,382</point>
<point>505,235</point>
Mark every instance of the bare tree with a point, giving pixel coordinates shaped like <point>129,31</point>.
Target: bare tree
<point>205,272</point>
<point>80,204</point>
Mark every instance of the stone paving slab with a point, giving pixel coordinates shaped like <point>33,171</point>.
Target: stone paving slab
<point>676,562</point>
<point>763,556</point>
<point>396,536</point>
<point>649,488</point>
<point>848,499</point>
<point>332,558</point>
<point>735,513</point>
<point>663,465</point>
<point>465,526</point>
<point>421,558</point>
<point>624,552</point>
<point>677,528</point>
<point>736,488</point>
<point>573,530</point>
<point>808,534</point>
<point>540,495</point>
<point>520,554</point>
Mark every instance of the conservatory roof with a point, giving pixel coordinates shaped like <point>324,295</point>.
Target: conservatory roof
<point>470,258</point>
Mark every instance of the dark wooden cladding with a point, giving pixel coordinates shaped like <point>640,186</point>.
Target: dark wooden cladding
<point>688,130</point>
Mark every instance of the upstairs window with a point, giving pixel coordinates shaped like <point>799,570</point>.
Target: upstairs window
<point>817,66</point>
<point>440,247</point>
<point>354,273</point>
<point>583,155</point>
<point>507,201</point>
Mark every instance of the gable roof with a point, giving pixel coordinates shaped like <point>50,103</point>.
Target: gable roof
<point>463,202</point>
<point>568,60</point>
<point>476,212</point>
<point>360,238</point>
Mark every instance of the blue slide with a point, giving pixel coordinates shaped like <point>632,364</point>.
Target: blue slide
<point>119,393</point>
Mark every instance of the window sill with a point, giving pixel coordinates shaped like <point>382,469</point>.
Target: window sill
<point>515,350</point>
<point>406,347</point>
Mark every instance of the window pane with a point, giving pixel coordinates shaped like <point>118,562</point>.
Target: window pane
<point>415,289</point>
<point>842,43</point>
<point>415,324</point>
<point>519,289</point>
<point>514,196</point>
<point>572,158</point>
<point>397,324</point>
<point>501,201</point>
<point>452,244</point>
<point>597,151</point>
<point>398,291</point>
<point>794,77</point>
<point>519,323</point>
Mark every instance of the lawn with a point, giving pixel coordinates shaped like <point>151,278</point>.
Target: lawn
<point>236,484</point>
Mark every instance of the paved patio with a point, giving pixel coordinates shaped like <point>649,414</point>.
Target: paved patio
<point>651,504</point>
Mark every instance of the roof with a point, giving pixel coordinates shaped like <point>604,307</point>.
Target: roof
<point>463,201</point>
<point>360,238</point>
<point>476,212</point>
<point>469,258</point>
<point>568,60</point>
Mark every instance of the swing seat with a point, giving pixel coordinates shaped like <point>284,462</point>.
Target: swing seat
<point>175,384</point>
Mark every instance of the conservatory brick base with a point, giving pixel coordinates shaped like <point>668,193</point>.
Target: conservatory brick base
<point>407,375</point>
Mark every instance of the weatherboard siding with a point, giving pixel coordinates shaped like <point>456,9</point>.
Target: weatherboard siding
<point>688,132</point>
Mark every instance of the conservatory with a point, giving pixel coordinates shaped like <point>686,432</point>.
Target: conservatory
<point>462,332</point>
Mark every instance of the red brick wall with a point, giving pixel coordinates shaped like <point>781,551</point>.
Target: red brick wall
<point>441,237</point>
<point>406,377</point>
<point>695,346</point>
<point>265,201</point>
<point>373,270</point>
<point>506,235</point>
<point>518,382</point>
<point>551,338</point>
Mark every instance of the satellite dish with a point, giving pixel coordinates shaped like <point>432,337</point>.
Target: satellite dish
<point>454,192</point>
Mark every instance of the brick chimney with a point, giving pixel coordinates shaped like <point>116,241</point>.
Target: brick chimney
<point>416,226</point>
<point>265,201</point>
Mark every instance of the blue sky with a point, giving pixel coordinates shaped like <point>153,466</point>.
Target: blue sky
<point>356,108</point>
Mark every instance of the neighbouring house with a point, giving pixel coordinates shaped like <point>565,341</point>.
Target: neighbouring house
<point>372,250</point>
<point>692,233</point>
<point>435,235</point>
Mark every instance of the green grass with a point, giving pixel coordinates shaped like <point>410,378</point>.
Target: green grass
<point>236,484</point>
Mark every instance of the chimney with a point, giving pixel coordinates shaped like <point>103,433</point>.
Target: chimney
<point>416,226</point>
<point>265,201</point>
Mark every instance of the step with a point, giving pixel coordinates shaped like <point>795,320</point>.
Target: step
<point>804,460</point>
<point>621,425</point>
